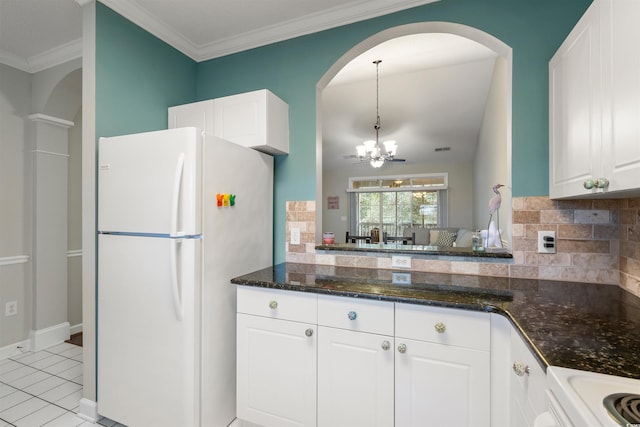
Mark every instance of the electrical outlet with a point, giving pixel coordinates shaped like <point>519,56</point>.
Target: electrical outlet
<point>546,242</point>
<point>401,278</point>
<point>295,236</point>
<point>399,261</point>
<point>11,308</point>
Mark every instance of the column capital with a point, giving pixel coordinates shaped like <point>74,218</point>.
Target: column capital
<point>55,121</point>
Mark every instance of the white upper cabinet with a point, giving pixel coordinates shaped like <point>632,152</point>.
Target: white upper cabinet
<point>258,120</point>
<point>594,99</point>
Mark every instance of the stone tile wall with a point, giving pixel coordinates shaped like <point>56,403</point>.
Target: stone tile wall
<point>598,241</point>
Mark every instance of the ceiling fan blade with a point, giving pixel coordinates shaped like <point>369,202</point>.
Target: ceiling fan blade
<point>397,160</point>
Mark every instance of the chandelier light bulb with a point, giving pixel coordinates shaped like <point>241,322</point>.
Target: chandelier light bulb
<point>370,145</point>
<point>376,163</point>
<point>362,150</point>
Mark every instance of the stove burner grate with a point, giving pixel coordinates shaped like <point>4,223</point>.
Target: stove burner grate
<point>623,407</point>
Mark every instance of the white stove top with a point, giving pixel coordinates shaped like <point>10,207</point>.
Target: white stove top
<point>581,394</point>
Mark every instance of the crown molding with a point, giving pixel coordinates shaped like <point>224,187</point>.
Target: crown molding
<point>331,18</point>
<point>56,56</point>
<point>309,24</point>
<point>143,19</point>
<point>12,60</point>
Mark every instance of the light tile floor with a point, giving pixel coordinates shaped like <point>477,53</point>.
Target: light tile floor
<point>43,389</point>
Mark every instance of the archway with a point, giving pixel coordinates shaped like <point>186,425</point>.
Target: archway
<point>501,111</point>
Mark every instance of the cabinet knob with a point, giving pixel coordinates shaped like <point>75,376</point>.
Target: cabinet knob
<point>588,184</point>
<point>308,332</point>
<point>273,305</point>
<point>402,348</point>
<point>440,327</point>
<point>602,183</point>
<point>352,315</point>
<point>386,345</point>
<point>520,369</point>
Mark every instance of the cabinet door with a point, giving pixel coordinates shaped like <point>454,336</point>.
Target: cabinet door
<point>355,379</point>
<point>196,114</point>
<point>575,125</point>
<point>276,372</point>
<point>621,155</point>
<point>439,385</point>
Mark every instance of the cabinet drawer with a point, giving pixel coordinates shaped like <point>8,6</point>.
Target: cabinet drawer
<point>355,314</point>
<point>447,326</point>
<point>277,304</point>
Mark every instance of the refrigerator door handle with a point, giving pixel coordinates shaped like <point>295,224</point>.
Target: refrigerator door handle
<point>175,197</point>
<point>176,289</point>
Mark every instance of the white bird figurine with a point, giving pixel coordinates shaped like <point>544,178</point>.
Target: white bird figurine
<point>494,207</point>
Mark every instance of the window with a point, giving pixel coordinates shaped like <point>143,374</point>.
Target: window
<point>393,204</point>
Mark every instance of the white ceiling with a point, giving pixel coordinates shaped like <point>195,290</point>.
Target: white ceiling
<point>432,94</point>
<point>37,34</point>
<point>432,86</point>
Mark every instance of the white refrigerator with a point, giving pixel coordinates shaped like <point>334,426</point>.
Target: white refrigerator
<point>168,244</point>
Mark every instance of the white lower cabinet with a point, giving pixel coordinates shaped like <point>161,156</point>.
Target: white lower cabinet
<point>355,379</point>
<point>276,357</point>
<point>527,384</point>
<point>307,360</point>
<point>441,386</point>
<point>442,367</point>
<point>276,372</point>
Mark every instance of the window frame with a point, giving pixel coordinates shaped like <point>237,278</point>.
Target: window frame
<point>410,187</point>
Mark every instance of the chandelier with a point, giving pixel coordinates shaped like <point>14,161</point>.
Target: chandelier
<point>371,150</point>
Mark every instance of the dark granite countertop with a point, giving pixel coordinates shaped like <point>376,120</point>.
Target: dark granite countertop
<point>427,251</point>
<point>583,326</point>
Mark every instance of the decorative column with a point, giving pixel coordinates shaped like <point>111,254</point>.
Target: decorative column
<point>49,324</point>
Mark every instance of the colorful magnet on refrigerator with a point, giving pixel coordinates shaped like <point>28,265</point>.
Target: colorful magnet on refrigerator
<point>219,198</point>
<point>232,199</point>
<point>226,200</point>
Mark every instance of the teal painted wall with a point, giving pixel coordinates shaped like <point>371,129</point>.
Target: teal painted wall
<point>137,77</point>
<point>291,69</point>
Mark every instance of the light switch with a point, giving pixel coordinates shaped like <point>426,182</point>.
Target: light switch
<point>295,236</point>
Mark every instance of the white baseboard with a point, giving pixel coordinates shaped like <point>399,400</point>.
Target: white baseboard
<point>88,410</point>
<point>14,349</point>
<point>75,329</point>
<point>47,337</point>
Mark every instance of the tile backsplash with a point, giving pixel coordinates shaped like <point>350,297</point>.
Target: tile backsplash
<point>598,241</point>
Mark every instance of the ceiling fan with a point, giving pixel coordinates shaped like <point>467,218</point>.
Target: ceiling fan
<point>371,150</point>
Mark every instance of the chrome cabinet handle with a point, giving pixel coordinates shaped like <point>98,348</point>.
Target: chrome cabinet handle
<point>440,327</point>
<point>308,332</point>
<point>402,348</point>
<point>273,305</point>
<point>520,369</point>
<point>386,345</point>
<point>602,183</point>
<point>352,315</point>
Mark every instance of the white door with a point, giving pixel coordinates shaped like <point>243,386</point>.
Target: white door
<point>276,372</point>
<point>147,331</point>
<point>150,183</point>
<point>441,386</point>
<point>355,379</point>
